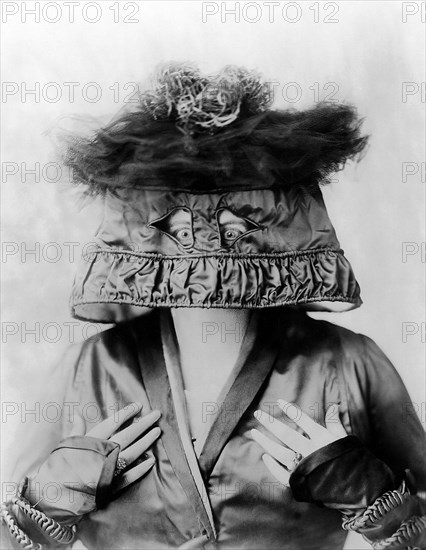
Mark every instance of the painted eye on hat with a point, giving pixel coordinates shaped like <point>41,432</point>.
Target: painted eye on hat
<point>177,225</point>
<point>233,227</point>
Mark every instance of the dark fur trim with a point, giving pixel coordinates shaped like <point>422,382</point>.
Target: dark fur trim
<point>271,148</point>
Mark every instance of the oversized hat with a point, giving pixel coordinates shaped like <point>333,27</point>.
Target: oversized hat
<point>212,199</point>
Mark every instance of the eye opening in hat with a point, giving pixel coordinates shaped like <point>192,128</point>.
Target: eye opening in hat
<point>176,224</point>
<point>232,227</point>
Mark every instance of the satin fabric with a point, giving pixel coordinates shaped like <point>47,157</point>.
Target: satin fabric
<point>345,461</point>
<point>311,363</point>
<point>345,475</point>
<point>75,496</point>
<point>290,255</point>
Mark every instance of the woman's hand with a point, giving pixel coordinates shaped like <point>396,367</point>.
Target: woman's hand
<point>131,447</point>
<point>281,460</point>
<point>87,469</point>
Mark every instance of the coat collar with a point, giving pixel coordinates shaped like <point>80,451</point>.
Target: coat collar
<point>256,360</point>
<point>147,331</point>
<point>257,357</point>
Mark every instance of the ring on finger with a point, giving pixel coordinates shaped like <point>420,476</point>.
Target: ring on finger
<point>297,459</point>
<point>120,466</point>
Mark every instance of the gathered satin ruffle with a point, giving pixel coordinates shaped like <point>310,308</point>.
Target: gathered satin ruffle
<point>320,277</point>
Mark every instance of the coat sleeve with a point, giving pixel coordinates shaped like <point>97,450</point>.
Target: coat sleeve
<point>361,478</point>
<point>81,383</point>
<point>397,435</point>
<point>38,423</point>
<point>43,418</point>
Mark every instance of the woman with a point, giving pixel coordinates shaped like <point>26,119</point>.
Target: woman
<point>273,428</point>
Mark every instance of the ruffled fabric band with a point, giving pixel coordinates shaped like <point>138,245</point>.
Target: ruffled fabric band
<point>316,278</point>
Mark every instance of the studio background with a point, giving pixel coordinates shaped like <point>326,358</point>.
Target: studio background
<point>357,52</point>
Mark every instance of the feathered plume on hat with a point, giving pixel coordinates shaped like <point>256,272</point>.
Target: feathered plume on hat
<point>199,104</point>
<point>200,133</point>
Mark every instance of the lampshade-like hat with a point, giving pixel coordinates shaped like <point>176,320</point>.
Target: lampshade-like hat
<point>213,200</point>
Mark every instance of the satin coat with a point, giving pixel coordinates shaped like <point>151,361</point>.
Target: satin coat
<point>227,498</point>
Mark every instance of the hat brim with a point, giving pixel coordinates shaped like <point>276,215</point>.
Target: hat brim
<point>116,285</point>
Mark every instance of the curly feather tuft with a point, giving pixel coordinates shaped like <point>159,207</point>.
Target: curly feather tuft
<point>199,103</point>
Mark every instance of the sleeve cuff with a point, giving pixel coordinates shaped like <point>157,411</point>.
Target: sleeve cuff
<point>344,475</point>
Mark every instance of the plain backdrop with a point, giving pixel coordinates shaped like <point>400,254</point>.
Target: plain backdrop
<point>365,53</point>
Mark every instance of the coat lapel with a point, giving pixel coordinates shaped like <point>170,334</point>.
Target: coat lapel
<point>257,357</point>
<point>174,372</point>
<point>157,385</point>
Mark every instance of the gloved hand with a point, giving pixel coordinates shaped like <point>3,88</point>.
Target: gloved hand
<point>78,476</point>
<point>331,469</point>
